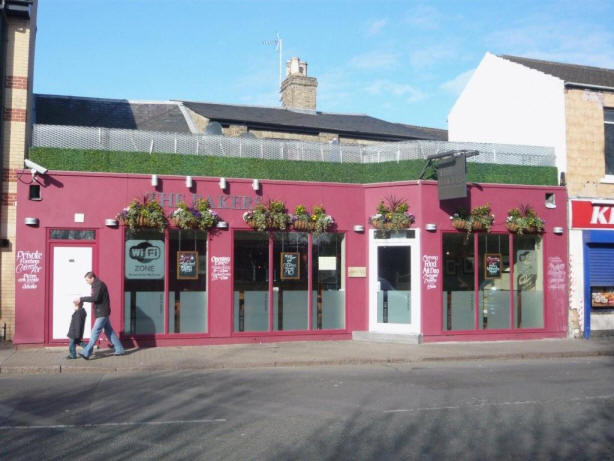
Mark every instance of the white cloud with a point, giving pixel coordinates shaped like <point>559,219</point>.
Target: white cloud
<point>375,27</point>
<point>430,55</point>
<point>375,60</point>
<point>424,17</point>
<point>398,90</point>
<point>458,83</point>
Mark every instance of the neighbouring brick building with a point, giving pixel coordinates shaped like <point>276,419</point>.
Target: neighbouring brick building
<point>570,107</point>
<point>18,29</point>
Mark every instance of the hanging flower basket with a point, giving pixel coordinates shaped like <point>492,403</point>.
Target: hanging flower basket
<point>317,222</point>
<point>479,219</point>
<point>199,216</point>
<point>392,215</point>
<point>524,220</point>
<point>145,214</point>
<point>270,216</point>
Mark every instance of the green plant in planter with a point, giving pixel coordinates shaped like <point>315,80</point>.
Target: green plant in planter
<point>478,219</point>
<point>320,221</point>
<point>301,220</point>
<point>392,215</point>
<point>146,214</point>
<point>270,216</point>
<point>524,220</point>
<point>198,216</point>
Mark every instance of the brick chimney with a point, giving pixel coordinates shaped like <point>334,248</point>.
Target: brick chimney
<point>298,91</point>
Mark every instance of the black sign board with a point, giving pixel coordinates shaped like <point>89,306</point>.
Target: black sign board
<point>290,268</point>
<point>451,177</point>
<point>492,265</point>
<point>187,265</point>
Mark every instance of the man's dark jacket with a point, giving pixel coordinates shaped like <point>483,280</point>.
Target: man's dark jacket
<point>100,298</point>
<point>77,324</point>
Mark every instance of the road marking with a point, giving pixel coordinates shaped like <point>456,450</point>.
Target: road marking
<point>135,423</point>
<point>499,404</point>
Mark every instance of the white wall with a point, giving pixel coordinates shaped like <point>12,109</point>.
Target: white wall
<point>509,103</point>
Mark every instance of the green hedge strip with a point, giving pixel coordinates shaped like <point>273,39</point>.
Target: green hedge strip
<point>174,164</point>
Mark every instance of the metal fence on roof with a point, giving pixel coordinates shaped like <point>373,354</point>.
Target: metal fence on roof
<point>112,139</point>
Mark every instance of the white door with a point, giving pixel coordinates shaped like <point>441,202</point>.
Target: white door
<point>69,266</point>
<point>394,284</point>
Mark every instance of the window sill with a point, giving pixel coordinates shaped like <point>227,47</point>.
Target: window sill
<point>607,179</point>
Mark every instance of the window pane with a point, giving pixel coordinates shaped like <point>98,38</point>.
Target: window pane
<point>187,296</point>
<point>144,282</point>
<point>290,302</point>
<point>72,234</point>
<point>609,148</point>
<point>251,281</point>
<point>458,283</point>
<point>394,284</point>
<point>494,281</point>
<point>328,282</point>
<point>529,281</point>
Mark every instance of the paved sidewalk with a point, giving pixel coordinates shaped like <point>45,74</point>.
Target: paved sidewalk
<point>291,354</point>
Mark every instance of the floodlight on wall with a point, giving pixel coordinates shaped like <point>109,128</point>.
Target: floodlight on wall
<point>222,183</point>
<point>359,228</point>
<point>111,222</point>
<point>256,185</point>
<point>154,180</point>
<point>431,227</point>
<point>189,182</point>
<point>30,221</point>
<point>557,230</point>
<point>222,225</point>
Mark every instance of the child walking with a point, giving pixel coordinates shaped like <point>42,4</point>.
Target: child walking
<point>75,331</point>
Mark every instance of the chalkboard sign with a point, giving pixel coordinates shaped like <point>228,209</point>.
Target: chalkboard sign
<point>187,265</point>
<point>290,268</point>
<point>492,265</point>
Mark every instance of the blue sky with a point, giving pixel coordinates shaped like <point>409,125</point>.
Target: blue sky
<point>402,61</point>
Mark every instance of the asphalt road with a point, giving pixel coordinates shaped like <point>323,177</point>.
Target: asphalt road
<point>556,410</point>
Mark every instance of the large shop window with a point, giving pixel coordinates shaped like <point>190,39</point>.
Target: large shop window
<point>609,140</point>
<point>486,282</point>
<point>144,280</point>
<point>286,255</point>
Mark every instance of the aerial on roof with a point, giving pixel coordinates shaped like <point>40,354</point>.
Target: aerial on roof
<point>570,73</point>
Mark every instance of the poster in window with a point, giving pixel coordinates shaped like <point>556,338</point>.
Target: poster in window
<point>187,265</point>
<point>602,297</point>
<point>492,265</point>
<point>526,269</point>
<point>290,269</point>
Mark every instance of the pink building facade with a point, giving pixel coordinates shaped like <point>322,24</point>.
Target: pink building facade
<point>430,282</point>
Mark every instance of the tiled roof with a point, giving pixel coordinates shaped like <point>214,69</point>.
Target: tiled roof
<point>109,113</point>
<point>570,73</point>
<point>362,126</point>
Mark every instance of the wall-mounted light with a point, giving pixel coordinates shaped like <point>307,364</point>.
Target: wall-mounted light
<point>154,180</point>
<point>557,230</point>
<point>222,183</point>
<point>189,182</point>
<point>111,222</point>
<point>256,185</point>
<point>222,225</point>
<point>431,227</point>
<point>30,221</point>
<point>359,228</point>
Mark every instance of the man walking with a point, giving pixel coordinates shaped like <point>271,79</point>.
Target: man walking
<point>102,310</point>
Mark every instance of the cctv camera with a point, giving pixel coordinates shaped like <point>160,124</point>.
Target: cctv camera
<point>36,168</point>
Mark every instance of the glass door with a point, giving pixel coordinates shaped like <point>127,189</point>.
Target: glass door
<point>394,297</point>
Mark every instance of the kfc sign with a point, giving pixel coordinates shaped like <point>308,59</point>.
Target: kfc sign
<point>592,215</point>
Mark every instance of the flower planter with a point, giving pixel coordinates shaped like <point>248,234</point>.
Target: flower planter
<point>460,224</point>
<point>512,227</point>
<point>478,226</point>
<point>302,225</point>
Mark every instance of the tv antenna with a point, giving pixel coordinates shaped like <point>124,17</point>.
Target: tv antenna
<point>278,42</point>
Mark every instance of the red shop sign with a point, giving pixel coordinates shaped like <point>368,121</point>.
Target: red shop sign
<point>592,215</point>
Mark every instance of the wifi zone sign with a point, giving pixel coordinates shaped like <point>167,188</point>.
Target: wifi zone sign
<point>144,259</point>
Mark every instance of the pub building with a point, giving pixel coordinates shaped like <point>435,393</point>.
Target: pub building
<point>233,284</point>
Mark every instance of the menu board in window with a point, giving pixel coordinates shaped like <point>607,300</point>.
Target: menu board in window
<point>290,269</point>
<point>187,265</point>
<point>492,265</point>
